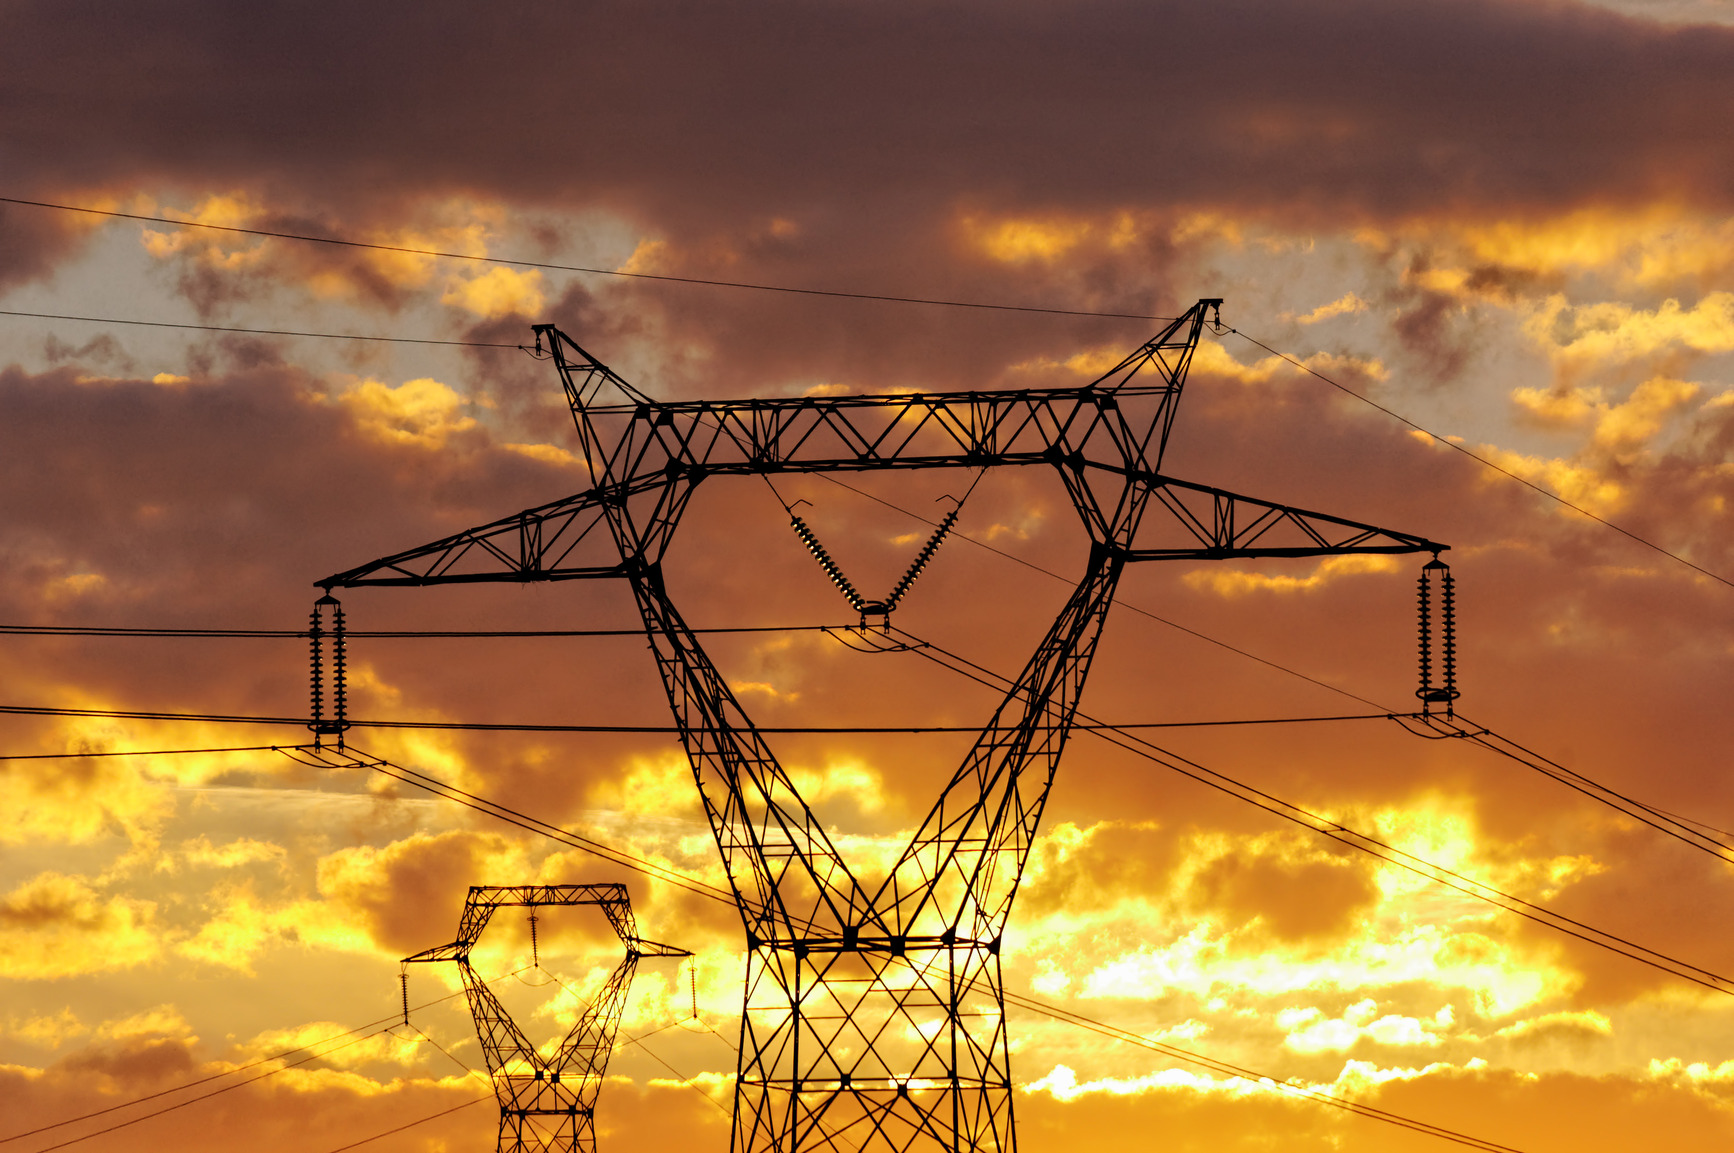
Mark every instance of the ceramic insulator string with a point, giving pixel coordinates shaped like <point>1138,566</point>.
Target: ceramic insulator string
<point>317,633</point>
<point>921,559</point>
<point>854,598</point>
<point>1430,694</point>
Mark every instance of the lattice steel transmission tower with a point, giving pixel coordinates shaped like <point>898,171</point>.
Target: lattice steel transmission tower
<point>874,1012</point>
<point>547,1101</point>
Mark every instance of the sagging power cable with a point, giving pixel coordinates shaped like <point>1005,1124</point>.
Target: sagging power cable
<point>1362,842</point>
<point>549,266</point>
<point>723,896</point>
<point>1485,462</point>
<point>356,1036</point>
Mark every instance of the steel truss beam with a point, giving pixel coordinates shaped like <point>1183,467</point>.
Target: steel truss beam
<point>874,1014</point>
<point>547,1101</point>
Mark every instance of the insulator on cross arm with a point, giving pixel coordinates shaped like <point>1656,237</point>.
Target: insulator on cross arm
<point>338,673</point>
<point>921,559</point>
<point>1436,574</point>
<point>825,562</point>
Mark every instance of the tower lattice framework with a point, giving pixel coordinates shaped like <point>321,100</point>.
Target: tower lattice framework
<point>874,1011</point>
<point>547,1100</point>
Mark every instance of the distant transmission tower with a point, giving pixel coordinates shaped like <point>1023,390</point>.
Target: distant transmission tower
<point>547,1101</point>
<point>874,1015</point>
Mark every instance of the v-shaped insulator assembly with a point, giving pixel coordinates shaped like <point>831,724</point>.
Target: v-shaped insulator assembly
<point>856,601</point>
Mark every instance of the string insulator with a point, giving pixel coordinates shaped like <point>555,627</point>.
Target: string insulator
<point>1437,573</point>
<point>403,981</point>
<point>326,607</point>
<point>535,948</point>
<point>316,662</point>
<point>692,977</point>
<point>855,599</point>
<point>921,559</point>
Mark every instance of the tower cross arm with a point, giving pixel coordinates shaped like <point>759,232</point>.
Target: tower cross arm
<point>1215,524</point>
<point>538,544</point>
<point>642,948</point>
<point>456,951</point>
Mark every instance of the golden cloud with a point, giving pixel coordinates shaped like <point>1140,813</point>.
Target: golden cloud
<point>55,925</point>
<point>407,895</point>
<point>1652,247</point>
<point>497,292</point>
<point>1345,305</point>
<point>1613,332</point>
<point>1583,484</point>
<point>422,412</point>
<point>1231,583</point>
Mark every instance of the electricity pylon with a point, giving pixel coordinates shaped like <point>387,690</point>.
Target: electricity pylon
<point>874,1014</point>
<point>547,1100</point>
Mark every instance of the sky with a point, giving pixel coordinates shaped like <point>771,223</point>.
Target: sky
<point>1509,223</point>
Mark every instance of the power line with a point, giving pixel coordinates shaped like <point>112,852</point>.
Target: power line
<point>1217,1065</point>
<point>662,730</point>
<point>1122,603</point>
<point>713,892</point>
<point>351,758</point>
<point>549,266</point>
<point>412,1124</point>
<point>203,1096</point>
<point>1363,842</point>
<point>256,331</point>
<point>1479,459</point>
<point>372,1029</point>
<point>1664,822</point>
<point>134,753</point>
<point>1681,829</point>
<point>382,634</point>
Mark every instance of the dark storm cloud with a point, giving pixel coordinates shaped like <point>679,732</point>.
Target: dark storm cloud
<point>691,115</point>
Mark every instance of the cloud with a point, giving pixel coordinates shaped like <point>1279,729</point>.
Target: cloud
<point>1612,331</point>
<point>423,412</point>
<point>407,896</point>
<point>1230,583</point>
<point>60,926</point>
<point>1346,305</point>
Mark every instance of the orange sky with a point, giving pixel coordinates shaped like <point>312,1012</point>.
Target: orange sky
<point>1507,221</point>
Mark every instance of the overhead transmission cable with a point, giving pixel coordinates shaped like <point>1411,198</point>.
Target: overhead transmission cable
<point>723,896</point>
<point>1013,557</point>
<point>376,634</point>
<point>1680,828</point>
<point>1674,826</point>
<point>256,331</point>
<point>412,1124</point>
<point>1355,839</point>
<point>757,287</point>
<point>1486,463</point>
<point>371,1029</point>
<point>351,758</point>
<point>1226,1068</point>
<point>548,266</point>
<point>514,727</point>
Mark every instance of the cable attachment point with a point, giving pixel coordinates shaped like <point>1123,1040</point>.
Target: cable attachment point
<point>1436,575</point>
<point>317,633</point>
